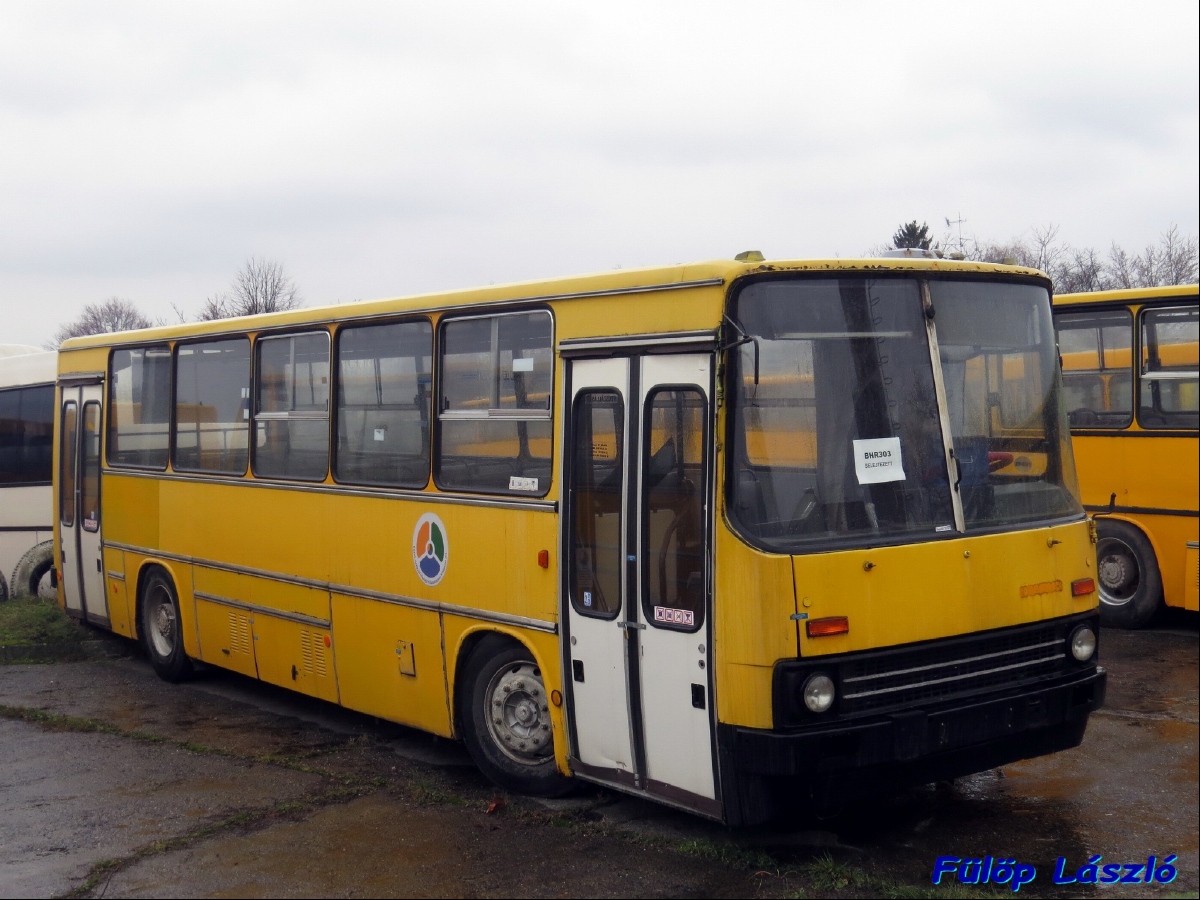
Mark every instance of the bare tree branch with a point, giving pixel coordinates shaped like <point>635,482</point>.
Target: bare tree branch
<point>113,314</point>
<point>260,286</point>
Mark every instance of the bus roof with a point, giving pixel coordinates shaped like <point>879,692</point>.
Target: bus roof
<point>39,367</point>
<point>1127,295</point>
<point>574,287</point>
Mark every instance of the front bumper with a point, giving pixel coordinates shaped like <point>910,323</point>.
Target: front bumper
<point>762,769</point>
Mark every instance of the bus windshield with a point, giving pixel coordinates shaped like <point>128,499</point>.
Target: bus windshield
<point>838,435</point>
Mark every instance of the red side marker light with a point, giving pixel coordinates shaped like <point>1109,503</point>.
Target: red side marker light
<point>1082,587</point>
<point>544,559</point>
<point>328,642</point>
<point>823,627</point>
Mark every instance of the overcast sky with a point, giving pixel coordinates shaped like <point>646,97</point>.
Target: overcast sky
<point>148,149</point>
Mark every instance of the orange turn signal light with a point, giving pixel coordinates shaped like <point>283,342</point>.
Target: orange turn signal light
<point>544,559</point>
<point>1082,587</point>
<point>830,625</point>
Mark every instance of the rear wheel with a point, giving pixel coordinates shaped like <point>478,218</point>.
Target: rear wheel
<point>505,716</point>
<point>1127,570</point>
<point>160,629</point>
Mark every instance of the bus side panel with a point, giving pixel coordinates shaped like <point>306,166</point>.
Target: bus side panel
<point>389,662</point>
<point>295,655</point>
<point>1150,473</point>
<point>546,655</point>
<point>120,610</point>
<point>131,511</point>
<point>752,627</point>
<point>1169,535</point>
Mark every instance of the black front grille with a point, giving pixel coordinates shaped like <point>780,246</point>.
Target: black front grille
<point>921,675</point>
<point>908,677</point>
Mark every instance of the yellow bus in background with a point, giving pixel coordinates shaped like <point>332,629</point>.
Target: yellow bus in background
<point>1130,374</point>
<point>732,536</point>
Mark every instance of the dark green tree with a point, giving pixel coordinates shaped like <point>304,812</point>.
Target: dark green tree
<point>912,236</point>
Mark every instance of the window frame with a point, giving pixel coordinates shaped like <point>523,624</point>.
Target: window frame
<point>701,488</point>
<point>1147,309</point>
<point>210,339</point>
<point>255,415</point>
<point>622,510</point>
<point>1103,372</point>
<point>110,407</point>
<point>68,454</point>
<point>336,406</point>
<point>47,385</point>
<point>81,464</point>
<point>501,415</point>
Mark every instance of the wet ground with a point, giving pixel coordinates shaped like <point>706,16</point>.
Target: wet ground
<point>118,785</point>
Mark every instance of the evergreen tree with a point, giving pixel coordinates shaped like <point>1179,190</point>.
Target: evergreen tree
<point>912,236</point>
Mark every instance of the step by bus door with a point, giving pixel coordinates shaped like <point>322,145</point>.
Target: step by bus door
<point>79,502</point>
<point>636,532</point>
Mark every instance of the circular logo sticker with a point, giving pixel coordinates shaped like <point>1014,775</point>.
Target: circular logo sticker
<point>430,549</point>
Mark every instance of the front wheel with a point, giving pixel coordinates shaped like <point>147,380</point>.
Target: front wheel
<point>1130,584</point>
<point>160,629</point>
<point>505,718</point>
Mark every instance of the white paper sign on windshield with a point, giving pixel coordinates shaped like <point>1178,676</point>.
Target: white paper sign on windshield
<point>878,460</point>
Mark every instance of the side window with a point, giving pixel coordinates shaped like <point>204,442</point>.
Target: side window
<point>494,425</point>
<point>673,507</point>
<point>26,435</point>
<point>67,465</point>
<point>384,381</point>
<point>89,488</point>
<point>1170,369</point>
<point>1097,367</point>
<point>212,406</point>
<point>291,411</point>
<point>139,407</point>
<point>598,485</point>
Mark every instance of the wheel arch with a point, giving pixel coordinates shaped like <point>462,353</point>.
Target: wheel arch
<point>545,659</point>
<point>145,568</point>
<point>1140,528</point>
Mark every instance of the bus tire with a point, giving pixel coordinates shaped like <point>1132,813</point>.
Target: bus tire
<point>1127,573</point>
<point>3,588</point>
<point>33,567</point>
<point>161,628</point>
<point>505,717</point>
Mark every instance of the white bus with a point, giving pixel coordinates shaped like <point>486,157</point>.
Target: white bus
<point>26,441</point>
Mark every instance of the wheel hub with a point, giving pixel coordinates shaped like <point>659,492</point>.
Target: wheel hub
<point>1118,571</point>
<point>519,714</point>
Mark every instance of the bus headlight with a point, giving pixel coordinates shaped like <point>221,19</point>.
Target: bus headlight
<point>1083,643</point>
<point>818,693</point>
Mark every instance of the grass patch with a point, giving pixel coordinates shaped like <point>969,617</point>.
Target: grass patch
<point>827,875</point>
<point>35,620</point>
<point>726,854</point>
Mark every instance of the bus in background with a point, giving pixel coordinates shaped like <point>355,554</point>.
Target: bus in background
<point>26,436</point>
<point>730,536</point>
<point>1130,375</point>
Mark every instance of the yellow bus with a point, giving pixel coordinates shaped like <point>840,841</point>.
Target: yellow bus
<point>1130,361</point>
<point>568,522</point>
